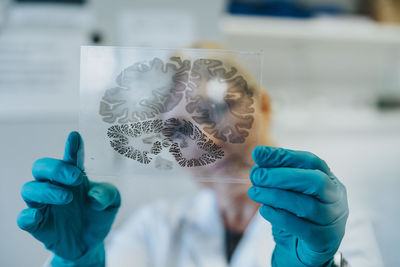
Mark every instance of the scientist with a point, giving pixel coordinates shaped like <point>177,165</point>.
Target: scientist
<point>301,221</point>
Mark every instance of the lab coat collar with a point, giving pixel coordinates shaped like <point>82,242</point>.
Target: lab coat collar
<point>204,218</point>
<point>204,213</point>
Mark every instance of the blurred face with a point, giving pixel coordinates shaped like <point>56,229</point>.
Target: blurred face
<point>220,110</point>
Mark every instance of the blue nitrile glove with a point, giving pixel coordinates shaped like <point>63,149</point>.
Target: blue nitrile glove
<point>305,203</point>
<point>68,213</point>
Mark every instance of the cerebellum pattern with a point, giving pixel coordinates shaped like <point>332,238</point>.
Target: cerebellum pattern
<point>184,135</point>
<point>122,137</point>
<point>187,144</point>
<point>145,90</point>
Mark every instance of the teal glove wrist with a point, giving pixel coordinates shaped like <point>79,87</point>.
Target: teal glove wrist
<point>68,213</point>
<point>92,258</point>
<point>305,203</point>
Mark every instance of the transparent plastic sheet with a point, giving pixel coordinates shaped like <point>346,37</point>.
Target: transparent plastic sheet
<point>167,112</point>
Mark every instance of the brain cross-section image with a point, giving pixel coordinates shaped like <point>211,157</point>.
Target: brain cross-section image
<point>145,90</point>
<point>186,108</point>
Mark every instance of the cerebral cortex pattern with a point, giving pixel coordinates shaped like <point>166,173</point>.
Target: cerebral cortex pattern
<point>227,117</point>
<point>216,100</point>
<point>145,90</point>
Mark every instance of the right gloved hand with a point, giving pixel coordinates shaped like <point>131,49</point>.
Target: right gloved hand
<point>68,213</point>
<point>304,202</point>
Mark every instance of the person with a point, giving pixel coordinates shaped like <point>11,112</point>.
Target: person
<point>301,221</point>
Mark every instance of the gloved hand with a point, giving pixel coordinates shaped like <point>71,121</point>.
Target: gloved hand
<point>304,202</point>
<point>68,213</point>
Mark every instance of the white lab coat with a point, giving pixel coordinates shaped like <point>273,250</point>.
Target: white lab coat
<point>190,233</point>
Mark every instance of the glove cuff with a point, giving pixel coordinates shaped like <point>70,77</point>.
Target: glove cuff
<point>93,257</point>
<point>309,257</point>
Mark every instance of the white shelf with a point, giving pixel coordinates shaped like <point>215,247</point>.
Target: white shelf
<point>348,29</point>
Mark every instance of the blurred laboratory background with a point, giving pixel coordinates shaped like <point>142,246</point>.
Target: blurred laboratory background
<point>331,67</point>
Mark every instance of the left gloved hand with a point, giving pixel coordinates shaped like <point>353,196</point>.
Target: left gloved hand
<point>305,203</point>
<point>68,213</point>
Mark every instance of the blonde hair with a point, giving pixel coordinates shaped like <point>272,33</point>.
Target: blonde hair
<point>252,84</point>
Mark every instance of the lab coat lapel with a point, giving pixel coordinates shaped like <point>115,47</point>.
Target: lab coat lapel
<point>204,237</point>
<point>256,246</point>
<point>205,232</point>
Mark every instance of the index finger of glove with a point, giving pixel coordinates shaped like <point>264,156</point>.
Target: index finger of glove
<point>314,183</point>
<point>57,171</point>
<point>274,157</point>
